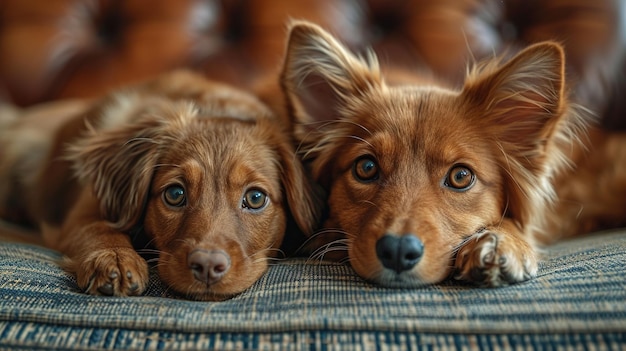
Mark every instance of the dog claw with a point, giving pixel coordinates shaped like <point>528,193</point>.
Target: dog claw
<point>488,259</point>
<point>492,260</point>
<point>112,283</point>
<point>477,274</point>
<point>133,287</point>
<point>106,289</point>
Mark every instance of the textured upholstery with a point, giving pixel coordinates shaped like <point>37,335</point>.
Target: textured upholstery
<point>575,303</point>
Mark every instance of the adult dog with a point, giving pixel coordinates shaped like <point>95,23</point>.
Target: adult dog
<point>424,180</point>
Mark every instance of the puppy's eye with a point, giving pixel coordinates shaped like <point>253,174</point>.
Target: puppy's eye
<point>174,196</point>
<point>365,169</point>
<point>460,178</point>
<point>254,199</point>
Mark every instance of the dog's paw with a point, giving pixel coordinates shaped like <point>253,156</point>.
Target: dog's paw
<point>111,272</point>
<point>493,260</point>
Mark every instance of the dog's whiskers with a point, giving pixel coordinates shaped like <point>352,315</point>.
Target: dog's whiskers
<point>339,245</point>
<point>504,211</point>
<point>141,140</point>
<point>153,260</point>
<point>334,231</point>
<point>166,165</point>
<point>271,261</point>
<point>327,137</point>
<point>267,254</point>
<point>308,244</point>
<point>361,140</point>
<point>325,124</point>
<point>369,203</point>
<point>508,168</point>
<point>153,251</point>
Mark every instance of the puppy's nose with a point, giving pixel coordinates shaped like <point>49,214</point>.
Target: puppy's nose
<point>399,253</point>
<point>208,266</point>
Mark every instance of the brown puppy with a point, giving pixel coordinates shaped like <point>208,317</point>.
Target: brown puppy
<point>424,180</point>
<point>204,170</point>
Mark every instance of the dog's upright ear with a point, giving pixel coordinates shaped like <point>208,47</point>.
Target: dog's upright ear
<point>321,79</point>
<point>521,102</point>
<point>523,108</point>
<point>118,162</point>
<point>320,76</point>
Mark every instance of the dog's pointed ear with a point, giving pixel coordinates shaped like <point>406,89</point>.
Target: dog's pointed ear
<point>522,100</point>
<point>522,107</point>
<point>119,164</point>
<point>319,74</point>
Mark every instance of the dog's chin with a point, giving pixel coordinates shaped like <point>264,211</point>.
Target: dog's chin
<point>204,295</point>
<point>424,273</point>
<point>390,279</point>
<point>195,290</point>
<point>408,279</point>
<point>180,280</point>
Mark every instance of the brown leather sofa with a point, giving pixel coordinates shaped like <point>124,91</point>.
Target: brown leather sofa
<point>75,48</point>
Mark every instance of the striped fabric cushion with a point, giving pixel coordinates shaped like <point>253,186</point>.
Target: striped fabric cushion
<point>578,301</point>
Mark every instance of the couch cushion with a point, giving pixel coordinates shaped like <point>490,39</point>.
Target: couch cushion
<point>577,299</point>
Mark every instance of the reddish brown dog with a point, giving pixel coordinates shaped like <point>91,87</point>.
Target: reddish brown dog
<point>424,180</point>
<point>203,170</point>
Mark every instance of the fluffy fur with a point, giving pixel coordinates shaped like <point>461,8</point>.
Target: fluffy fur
<point>424,180</point>
<point>202,170</point>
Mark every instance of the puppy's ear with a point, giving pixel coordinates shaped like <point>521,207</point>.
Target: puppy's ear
<point>119,163</point>
<point>320,75</point>
<point>305,203</point>
<point>522,101</point>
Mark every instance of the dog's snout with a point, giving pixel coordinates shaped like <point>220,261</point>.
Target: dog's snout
<point>399,253</point>
<point>208,266</point>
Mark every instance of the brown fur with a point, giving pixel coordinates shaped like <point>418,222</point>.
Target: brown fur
<point>510,131</point>
<point>99,173</point>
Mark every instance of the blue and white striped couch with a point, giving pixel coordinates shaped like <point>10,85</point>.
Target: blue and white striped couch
<point>577,302</point>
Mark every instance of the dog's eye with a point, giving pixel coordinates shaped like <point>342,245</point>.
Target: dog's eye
<point>365,169</point>
<point>460,177</point>
<point>254,199</point>
<point>174,196</point>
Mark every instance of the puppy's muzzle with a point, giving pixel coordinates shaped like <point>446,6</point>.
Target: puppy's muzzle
<point>208,266</point>
<point>399,253</point>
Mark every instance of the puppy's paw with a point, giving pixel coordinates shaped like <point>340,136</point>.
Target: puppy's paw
<point>110,272</point>
<point>492,260</point>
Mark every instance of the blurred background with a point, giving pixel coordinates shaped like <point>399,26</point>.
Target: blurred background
<point>57,49</point>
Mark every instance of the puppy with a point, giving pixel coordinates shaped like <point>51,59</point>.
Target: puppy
<point>202,170</point>
<point>424,180</point>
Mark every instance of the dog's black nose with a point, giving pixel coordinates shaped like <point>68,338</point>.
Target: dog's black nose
<point>399,253</point>
<point>208,266</point>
